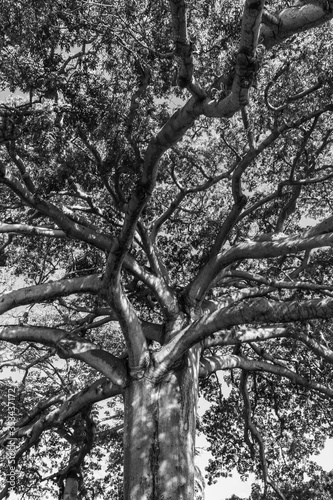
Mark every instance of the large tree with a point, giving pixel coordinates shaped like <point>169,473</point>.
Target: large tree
<point>158,177</point>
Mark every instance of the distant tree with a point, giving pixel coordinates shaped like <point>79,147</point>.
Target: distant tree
<point>158,177</point>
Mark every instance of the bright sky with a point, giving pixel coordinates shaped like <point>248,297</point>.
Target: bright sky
<point>227,487</point>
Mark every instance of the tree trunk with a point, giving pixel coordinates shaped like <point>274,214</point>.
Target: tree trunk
<point>159,434</point>
<point>71,487</point>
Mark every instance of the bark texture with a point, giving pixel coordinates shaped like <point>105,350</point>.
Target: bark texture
<point>159,434</point>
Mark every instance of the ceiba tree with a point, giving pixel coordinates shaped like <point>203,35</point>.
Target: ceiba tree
<point>159,173</point>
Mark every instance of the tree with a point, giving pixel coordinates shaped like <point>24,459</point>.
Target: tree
<point>159,174</point>
<point>320,488</point>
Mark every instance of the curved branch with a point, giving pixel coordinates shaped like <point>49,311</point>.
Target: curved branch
<point>256,311</point>
<point>322,351</point>
<point>215,363</point>
<point>21,167</point>
<point>40,408</point>
<point>244,335</point>
<point>71,228</point>
<point>99,163</point>
<point>259,250</point>
<point>246,65</point>
<point>47,291</point>
<point>100,390</point>
<point>201,283</point>
<point>184,48</point>
<point>250,427</point>
<point>82,442</point>
<point>166,215</point>
<point>288,208</point>
<point>296,19</point>
<point>169,135</point>
<point>69,346</point>
<point>32,230</point>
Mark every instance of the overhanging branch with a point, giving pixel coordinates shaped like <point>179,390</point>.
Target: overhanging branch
<point>48,291</point>
<point>212,364</point>
<point>69,346</point>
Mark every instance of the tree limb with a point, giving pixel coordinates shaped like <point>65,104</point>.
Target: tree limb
<point>32,230</point>
<point>47,291</point>
<point>69,346</point>
<point>184,49</point>
<point>295,19</point>
<point>214,363</point>
<point>71,228</point>
<point>256,311</point>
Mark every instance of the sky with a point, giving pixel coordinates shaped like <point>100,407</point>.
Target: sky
<point>226,487</point>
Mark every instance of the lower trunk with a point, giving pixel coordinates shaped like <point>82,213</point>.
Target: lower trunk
<point>159,434</point>
<point>71,487</point>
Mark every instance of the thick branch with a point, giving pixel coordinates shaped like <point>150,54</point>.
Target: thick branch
<point>169,135</point>
<point>69,346</point>
<point>258,250</point>
<point>256,311</point>
<point>296,19</point>
<point>100,390</point>
<point>214,363</point>
<point>184,48</point>
<point>47,291</point>
<point>246,65</point>
<point>32,230</point>
<point>244,335</point>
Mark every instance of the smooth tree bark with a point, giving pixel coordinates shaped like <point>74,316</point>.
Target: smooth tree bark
<point>188,332</point>
<point>159,433</point>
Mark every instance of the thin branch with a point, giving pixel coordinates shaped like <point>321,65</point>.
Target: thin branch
<point>21,167</point>
<point>250,427</point>
<point>71,228</point>
<point>98,160</point>
<point>166,215</point>
<point>322,351</point>
<point>144,78</point>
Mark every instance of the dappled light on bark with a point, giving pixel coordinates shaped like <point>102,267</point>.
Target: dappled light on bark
<point>165,233</point>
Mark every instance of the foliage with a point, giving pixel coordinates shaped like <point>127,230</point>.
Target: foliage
<point>165,186</point>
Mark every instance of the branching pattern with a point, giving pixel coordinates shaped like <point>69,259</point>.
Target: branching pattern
<point>165,214</point>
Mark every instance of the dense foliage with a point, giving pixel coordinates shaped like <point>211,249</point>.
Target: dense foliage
<point>165,185</point>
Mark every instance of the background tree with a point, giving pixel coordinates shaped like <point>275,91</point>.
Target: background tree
<point>157,179</point>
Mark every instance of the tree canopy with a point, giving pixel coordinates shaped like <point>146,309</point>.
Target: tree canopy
<point>166,217</point>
